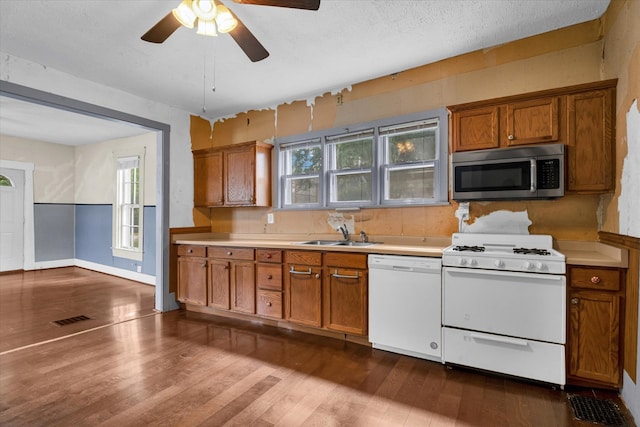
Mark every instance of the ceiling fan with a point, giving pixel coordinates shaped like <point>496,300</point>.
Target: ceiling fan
<point>212,17</point>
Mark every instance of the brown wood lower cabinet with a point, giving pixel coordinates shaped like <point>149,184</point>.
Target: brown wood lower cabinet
<point>594,326</point>
<point>345,293</point>
<point>269,283</point>
<point>192,275</point>
<point>303,287</point>
<point>309,288</point>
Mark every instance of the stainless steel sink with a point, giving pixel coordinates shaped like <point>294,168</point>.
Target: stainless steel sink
<point>321,242</point>
<point>336,243</point>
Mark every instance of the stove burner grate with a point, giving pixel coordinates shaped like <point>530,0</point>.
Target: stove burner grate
<point>469,248</point>
<point>532,251</point>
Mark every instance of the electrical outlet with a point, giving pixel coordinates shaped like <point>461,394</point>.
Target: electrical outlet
<point>270,219</point>
<point>139,268</point>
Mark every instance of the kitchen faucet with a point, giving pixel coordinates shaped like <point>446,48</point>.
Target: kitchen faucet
<point>345,231</point>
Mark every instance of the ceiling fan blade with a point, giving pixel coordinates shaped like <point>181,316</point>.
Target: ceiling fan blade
<point>248,42</point>
<point>162,30</point>
<point>294,4</point>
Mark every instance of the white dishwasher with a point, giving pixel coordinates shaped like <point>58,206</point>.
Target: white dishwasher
<point>405,305</point>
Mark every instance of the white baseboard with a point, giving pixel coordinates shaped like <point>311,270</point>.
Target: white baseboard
<point>42,265</point>
<point>113,271</point>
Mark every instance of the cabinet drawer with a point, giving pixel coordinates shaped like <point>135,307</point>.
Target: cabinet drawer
<point>268,255</point>
<point>231,253</point>
<point>270,303</point>
<point>192,250</point>
<point>337,259</point>
<point>305,258</point>
<point>595,278</point>
<point>269,276</point>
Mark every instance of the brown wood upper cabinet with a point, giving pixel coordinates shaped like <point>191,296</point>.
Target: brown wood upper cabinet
<point>580,116</point>
<point>533,121</point>
<point>233,175</point>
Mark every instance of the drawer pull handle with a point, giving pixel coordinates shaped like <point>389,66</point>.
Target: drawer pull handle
<point>268,256</point>
<point>574,301</point>
<point>293,271</point>
<point>269,304</point>
<point>229,253</point>
<point>496,338</point>
<point>189,251</point>
<point>203,265</point>
<point>269,277</point>
<point>511,137</point>
<point>343,276</point>
<point>595,280</point>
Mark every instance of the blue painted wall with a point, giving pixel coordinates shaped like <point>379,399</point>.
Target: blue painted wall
<point>92,230</point>
<point>93,238</point>
<point>54,231</point>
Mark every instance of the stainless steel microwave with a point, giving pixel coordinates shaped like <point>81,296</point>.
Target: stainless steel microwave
<point>518,173</point>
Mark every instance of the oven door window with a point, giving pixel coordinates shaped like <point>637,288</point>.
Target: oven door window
<point>511,176</point>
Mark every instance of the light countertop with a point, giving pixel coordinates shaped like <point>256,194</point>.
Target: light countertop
<point>577,252</point>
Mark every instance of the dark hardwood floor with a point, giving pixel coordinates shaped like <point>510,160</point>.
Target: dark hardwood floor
<point>186,369</point>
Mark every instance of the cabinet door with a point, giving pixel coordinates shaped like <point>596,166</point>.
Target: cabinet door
<point>207,179</point>
<point>594,336</point>
<point>219,280</point>
<point>192,280</point>
<point>590,141</point>
<point>475,129</point>
<point>239,185</point>
<point>346,300</point>
<point>533,121</point>
<point>243,287</point>
<point>303,294</point>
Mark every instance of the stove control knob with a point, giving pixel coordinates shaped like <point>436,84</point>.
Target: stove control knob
<point>473,262</point>
<point>499,263</point>
<point>462,261</point>
<point>540,266</point>
<point>528,265</point>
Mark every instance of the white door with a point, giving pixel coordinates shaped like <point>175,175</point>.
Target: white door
<point>11,219</point>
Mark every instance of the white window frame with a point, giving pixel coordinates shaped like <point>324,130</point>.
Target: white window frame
<point>121,161</point>
<point>380,168</point>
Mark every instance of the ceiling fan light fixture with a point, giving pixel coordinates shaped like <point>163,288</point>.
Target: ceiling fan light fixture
<point>206,28</point>
<point>204,9</point>
<point>225,20</point>
<point>185,14</point>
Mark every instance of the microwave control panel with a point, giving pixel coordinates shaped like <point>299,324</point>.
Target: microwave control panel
<point>548,173</point>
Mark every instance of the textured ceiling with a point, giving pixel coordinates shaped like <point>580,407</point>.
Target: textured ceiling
<point>345,42</point>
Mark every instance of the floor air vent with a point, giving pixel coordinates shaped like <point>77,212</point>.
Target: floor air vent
<point>71,320</point>
<point>604,412</point>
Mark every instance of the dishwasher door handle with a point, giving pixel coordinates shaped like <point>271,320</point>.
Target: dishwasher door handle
<point>500,339</point>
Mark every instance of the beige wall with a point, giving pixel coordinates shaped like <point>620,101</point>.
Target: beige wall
<point>95,168</point>
<point>82,174</point>
<point>53,175</point>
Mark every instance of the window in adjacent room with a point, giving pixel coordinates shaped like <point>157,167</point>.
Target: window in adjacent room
<point>129,205</point>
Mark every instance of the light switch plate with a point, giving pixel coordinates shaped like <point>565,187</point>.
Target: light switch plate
<point>270,218</point>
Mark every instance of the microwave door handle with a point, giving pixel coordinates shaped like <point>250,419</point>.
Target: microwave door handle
<point>534,175</point>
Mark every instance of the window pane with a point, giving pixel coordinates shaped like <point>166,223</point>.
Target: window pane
<point>413,146</point>
<point>304,160</point>
<point>352,187</point>
<point>351,151</point>
<point>303,191</point>
<point>415,183</point>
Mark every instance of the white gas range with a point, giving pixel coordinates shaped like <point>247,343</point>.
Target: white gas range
<point>504,305</point>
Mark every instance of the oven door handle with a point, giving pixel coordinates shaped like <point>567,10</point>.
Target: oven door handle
<point>534,175</point>
<point>500,339</point>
